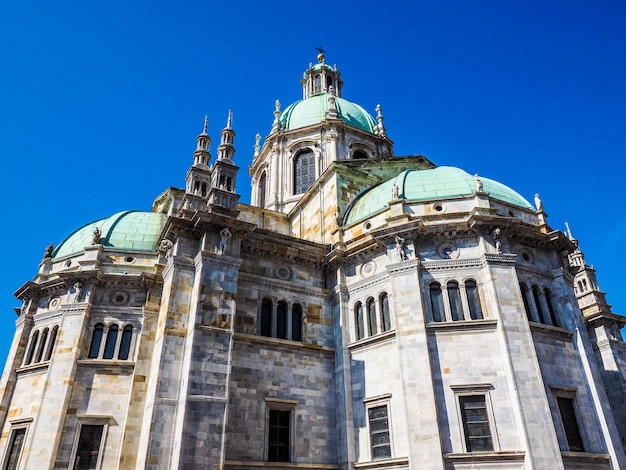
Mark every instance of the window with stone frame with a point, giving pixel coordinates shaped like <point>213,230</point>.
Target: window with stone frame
<point>279,321</point>
<point>114,346</point>
<point>475,416</point>
<point>377,410</point>
<point>15,446</point>
<point>303,171</point>
<point>359,323</point>
<point>436,302</point>
<point>280,418</point>
<point>473,300</point>
<point>41,345</point>
<point>88,446</point>
<point>383,300</point>
<point>566,404</point>
<point>372,328</point>
<point>463,301</point>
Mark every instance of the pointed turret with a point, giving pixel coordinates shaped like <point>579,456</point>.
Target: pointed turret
<point>222,196</point>
<point>198,176</point>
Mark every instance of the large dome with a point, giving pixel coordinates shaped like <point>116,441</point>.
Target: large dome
<point>443,182</point>
<point>312,111</point>
<point>126,231</point>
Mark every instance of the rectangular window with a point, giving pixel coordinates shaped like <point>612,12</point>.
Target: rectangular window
<point>475,423</point>
<point>278,450</point>
<point>380,441</point>
<point>570,424</point>
<point>88,448</point>
<point>15,448</point>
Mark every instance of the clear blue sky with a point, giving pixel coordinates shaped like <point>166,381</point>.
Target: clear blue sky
<point>101,103</point>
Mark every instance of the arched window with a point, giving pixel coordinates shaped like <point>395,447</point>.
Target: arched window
<point>42,345</point>
<point>281,320</point>
<point>384,308</point>
<point>329,81</point>
<point>358,155</point>
<point>262,189</point>
<point>549,300</point>
<point>540,312</point>
<point>96,339</point>
<point>51,341</point>
<point>358,319</point>
<point>436,301</point>
<point>296,322</point>
<point>456,311</point>
<point>524,291</point>
<point>34,339</point>
<point>127,336</point>
<point>303,171</point>
<point>473,300</point>
<point>109,346</point>
<point>266,317</point>
<point>371,317</point>
<point>317,80</point>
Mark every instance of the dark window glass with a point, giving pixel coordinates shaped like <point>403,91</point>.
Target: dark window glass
<point>436,302</point>
<point>15,448</point>
<point>53,338</point>
<point>384,306</point>
<point>318,84</point>
<point>31,350</point>
<point>42,345</point>
<point>303,171</point>
<point>471,290</point>
<point>266,318</point>
<point>127,335</point>
<point>359,154</point>
<point>358,314</point>
<point>262,186</point>
<point>456,310</point>
<point>379,432</point>
<point>279,436</point>
<point>371,317</point>
<point>549,300</point>
<point>572,432</point>
<point>540,311</point>
<point>88,447</point>
<point>296,322</point>
<point>281,320</point>
<point>475,423</point>
<point>524,291</point>
<point>96,339</point>
<point>109,346</point>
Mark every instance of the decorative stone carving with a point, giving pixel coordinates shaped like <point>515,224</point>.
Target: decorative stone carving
<point>78,291</point>
<point>48,253</point>
<point>479,183</point>
<point>225,237</point>
<point>95,236</point>
<point>495,234</point>
<point>400,248</point>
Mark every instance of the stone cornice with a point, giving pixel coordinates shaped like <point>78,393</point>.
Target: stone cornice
<point>270,284</point>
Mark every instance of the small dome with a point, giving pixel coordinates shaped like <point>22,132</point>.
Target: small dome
<point>439,183</point>
<point>125,231</point>
<point>312,111</point>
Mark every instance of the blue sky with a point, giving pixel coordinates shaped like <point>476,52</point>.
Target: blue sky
<point>101,103</point>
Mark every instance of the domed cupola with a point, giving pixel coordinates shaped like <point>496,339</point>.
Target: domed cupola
<point>321,78</point>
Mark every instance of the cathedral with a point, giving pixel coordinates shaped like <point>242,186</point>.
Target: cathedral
<point>366,310</point>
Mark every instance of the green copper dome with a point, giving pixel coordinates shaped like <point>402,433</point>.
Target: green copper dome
<point>439,183</point>
<point>312,111</point>
<point>129,230</point>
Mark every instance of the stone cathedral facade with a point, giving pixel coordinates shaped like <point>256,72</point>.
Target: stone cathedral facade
<point>365,311</point>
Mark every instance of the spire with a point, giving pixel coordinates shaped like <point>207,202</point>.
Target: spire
<point>276,123</point>
<point>203,142</point>
<point>226,149</point>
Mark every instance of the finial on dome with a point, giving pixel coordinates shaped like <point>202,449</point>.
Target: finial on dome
<point>569,232</point>
<point>276,124</point>
<point>205,130</point>
<point>320,57</point>
<point>257,144</point>
<point>380,118</point>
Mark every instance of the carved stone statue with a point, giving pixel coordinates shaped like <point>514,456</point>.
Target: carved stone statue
<point>400,248</point>
<point>225,237</point>
<point>479,183</point>
<point>394,191</point>
<point>496,239</point>
<point>95,236</point>
<point>48,253</point>
<point>538,203</point>
<point>78,291</point>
